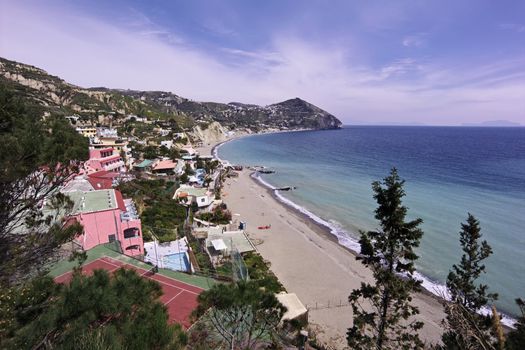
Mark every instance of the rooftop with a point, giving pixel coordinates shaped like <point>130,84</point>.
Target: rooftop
<point>232,239</point>
<point>145,163</point>
<point>190,191</point>
<point>88,202</point>
<point>165,164</point>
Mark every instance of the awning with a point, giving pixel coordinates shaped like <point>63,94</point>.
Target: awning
<point>218,244</point>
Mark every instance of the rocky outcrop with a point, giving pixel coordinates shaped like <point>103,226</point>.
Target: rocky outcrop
<point>209,133</point>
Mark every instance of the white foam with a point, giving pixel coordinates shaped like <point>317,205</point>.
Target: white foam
<point>215,150</point>
<point>346,240</point>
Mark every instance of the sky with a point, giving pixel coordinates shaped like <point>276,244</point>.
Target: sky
<point>443,62</point>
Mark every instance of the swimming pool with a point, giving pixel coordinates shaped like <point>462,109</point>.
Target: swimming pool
<point>177,262</point>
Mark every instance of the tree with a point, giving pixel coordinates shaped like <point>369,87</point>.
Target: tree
<point>381,311</point>
<point>516,337</point>
<point>465,327</point>
<point>37,157</point>
<point>242,314</point>
<point>121,311</point>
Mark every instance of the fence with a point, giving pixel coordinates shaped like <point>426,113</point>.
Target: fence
<point>327,305</point>
<point>239,269</point>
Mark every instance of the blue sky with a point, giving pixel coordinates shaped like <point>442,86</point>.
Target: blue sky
<point>432,62</point>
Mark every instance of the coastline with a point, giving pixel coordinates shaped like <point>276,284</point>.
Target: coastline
<point>309,259</point>
<point>310,262</point>
<point>430,288</point>
<point>327,278</point>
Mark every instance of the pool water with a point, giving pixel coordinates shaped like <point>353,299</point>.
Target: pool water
<point>177,262</point>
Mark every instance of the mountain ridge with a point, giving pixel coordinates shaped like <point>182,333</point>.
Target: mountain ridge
<point>51,94</point>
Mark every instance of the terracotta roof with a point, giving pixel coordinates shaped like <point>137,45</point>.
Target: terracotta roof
<point>102,180</point>
<point>165,164</point>
<point>104,174</point>
<point>120,200</point>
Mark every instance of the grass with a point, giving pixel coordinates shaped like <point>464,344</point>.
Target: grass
<point>99,251</point>
<point>259,269</point>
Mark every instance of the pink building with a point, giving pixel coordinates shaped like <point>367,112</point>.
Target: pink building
<point>104,159</point>
<point>107,217</point>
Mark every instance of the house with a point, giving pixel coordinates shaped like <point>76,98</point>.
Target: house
<point>106,217</point>
<point>105,138</point>
<point>87,131</point>
<point>107,159</point>
<point>190,195</point>
<point>165,166</point>
<point>225,242</point>
<point>167,143</point>
<point>143,166</point>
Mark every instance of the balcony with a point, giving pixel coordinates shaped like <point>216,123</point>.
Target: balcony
<point>113,166</point>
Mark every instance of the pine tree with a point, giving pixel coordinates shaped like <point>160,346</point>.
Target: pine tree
<point>465,327</point>
<point>244,315</point>
<point>121,311</point>
<point>37,156</point>
<point>516,337</point>
<point>382,312</point>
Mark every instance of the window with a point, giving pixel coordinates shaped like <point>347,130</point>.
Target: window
<point>202,200</point>
<point>131,232</point>
<point>111,238</point>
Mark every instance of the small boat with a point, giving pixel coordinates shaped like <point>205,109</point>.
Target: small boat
<point>287,188</point>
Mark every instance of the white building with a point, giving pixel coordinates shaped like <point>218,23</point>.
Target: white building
<point>189,195</point>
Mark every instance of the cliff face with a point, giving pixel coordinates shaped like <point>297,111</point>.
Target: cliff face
<point>52,94</point>
<point>211,134</point>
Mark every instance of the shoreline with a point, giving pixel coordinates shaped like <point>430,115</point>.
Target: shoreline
<point>309,261</point>
<point>430,288</point>
<point>323,230</point>
<point>308,258</point>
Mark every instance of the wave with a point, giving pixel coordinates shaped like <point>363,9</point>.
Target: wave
<point>345,239</point>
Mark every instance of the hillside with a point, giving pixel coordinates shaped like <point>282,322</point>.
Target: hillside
<point>48,93</point>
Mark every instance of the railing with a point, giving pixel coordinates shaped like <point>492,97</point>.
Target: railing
<point>327,305</point>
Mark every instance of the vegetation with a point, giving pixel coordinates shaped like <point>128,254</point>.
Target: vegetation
<point>259,270</point>
<point>219,215</point>
<point>95,312</point>
<point>158,211</point>
<point>242,315</point>
<point>516,338</point>
<point>36,157</point>
<point>382,311</point>
<point>98,312</point>
<point>464,325</point>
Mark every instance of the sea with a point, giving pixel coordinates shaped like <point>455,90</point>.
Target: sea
<point>449,172</point>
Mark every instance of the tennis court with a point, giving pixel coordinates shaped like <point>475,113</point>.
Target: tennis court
<point>180,298</point>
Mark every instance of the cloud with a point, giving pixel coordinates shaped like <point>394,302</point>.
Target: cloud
<point>415,40</point>
<point>90,52</point>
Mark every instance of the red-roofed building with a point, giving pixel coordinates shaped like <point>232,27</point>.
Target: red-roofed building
<point>165,166</point>
<point>107,217</point>
<point>104,159</point>
<point>103,180</point>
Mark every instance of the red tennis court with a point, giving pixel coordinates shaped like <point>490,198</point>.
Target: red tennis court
<point>180,298</point>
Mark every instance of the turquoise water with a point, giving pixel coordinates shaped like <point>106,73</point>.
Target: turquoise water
<point>449,171</point>
<point>177,262</point>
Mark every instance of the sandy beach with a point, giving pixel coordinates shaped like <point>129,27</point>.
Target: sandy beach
<point>309,262</point>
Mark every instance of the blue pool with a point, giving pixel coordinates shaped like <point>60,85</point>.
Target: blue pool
<point>177,262</point>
